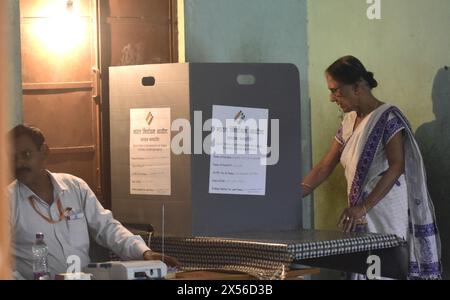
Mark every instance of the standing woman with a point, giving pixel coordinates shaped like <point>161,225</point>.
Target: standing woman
<point>385,175</point>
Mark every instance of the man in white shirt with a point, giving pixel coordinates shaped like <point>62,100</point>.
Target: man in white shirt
<point>64,209</point>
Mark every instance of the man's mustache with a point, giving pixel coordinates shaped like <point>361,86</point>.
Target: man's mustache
<point>22,169</point>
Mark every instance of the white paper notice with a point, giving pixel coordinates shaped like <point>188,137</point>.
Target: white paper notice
<point>238,151</point>
<point>150,151</point>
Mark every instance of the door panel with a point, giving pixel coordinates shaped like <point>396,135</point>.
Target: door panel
<point>65,113</point>
<point>138,43</point>
<point>48,8</point>
<point>46,60</point>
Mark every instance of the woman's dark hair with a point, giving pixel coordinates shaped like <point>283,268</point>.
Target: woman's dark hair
<point>34,133</point>
<point>349,70</point>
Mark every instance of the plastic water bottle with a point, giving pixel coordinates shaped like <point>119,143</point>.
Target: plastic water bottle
<point>40,253</point>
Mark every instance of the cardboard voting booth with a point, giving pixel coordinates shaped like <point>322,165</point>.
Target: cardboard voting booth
<point>206,149</point>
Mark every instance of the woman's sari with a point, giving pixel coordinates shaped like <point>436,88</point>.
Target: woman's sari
<point>407,209</point>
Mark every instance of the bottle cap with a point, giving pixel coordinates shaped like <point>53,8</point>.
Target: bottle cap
<point>39,235</point>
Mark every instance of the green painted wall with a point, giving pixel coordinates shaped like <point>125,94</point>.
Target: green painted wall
<point>13,65</point>
<point>407,50</point>
<point>253,31</point>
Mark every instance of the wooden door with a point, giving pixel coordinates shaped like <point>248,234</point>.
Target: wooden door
<point>59,57</point>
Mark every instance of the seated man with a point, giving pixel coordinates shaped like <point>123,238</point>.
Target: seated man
<point>64,209</point>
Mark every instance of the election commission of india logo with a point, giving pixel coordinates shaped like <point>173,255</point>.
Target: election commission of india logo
<point>149,118</point>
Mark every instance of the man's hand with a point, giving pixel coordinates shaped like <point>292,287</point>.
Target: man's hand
<point>168,260</point>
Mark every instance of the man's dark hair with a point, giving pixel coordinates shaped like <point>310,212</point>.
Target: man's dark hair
<point>349,70</point>
<point>34,133</point>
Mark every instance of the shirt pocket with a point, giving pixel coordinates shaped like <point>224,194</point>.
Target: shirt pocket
<point>78,233</point>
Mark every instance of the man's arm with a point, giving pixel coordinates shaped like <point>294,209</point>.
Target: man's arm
<point>109,232</point>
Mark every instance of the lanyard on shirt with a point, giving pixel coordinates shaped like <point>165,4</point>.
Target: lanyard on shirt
<point>62,214</point>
